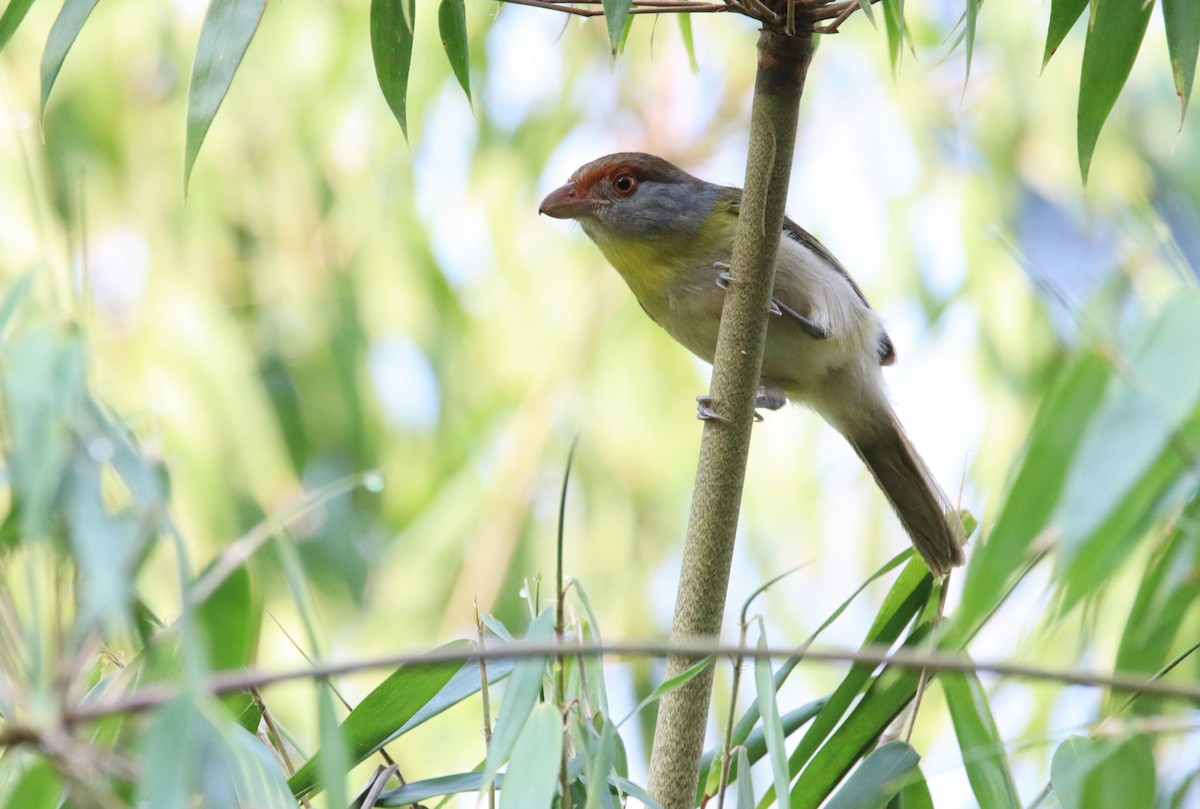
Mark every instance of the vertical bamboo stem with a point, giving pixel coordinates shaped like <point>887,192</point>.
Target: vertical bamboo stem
<point>704,580</point>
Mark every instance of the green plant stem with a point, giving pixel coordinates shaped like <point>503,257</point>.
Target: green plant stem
<point>721,469</point>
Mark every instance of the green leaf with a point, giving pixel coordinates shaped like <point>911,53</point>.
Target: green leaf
<point>903,602</point>
<point>745,786</point>
<point>533,769</point>
<point>914,795</point>
<point>615,14</point>
<point>1126,458</point>
<point>979,740</point>
<point>689,44</point>
<point>37,787</point>
<point>14,298</point>
<point>878,779</point>
<point>390,705</point>
<point>170,752</point>
<point>334,763</point>
<point>257,779</point>
<point>66,28</point>
<point>10,20</point>
<point>524,685</point>
<point>1116,32</point>
<point>452,25</point>
<point>1164,599</point>
<point>391,46</point>
<point>755,744</point>
<point>772,726</point>
<point>229,25</point>
<point>972,19</point>
<point>601,758</point>
<point>1103,774</point>
<point>1053,439</point>
<point>229,622</point>
<point>417,791</point>
<point>1063,14</point>
<point>1182,21</point>
<point>669,685</point>
<point>893,23</point>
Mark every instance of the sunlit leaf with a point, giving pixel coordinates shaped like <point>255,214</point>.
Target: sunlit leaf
<point>37,787</point>
<point>1063,14</point>
<point>1182,21</point>
<point>1127,452</point>
<point>533,768</point>
<point>524,685</point>
<point>389,706</point>
<point>229,25</point>
<point>62,36</point>
<point>689,44</point>
<point>979,740</point>
<point>1103,773</point>
<point>1053,439</point>
<point>771,724</point>
<point>1114,37</point>
<point>10,20</point>
<point>391,46</point>
<point>616,13</point>
<point>880,777</point>
<point>452,25</point>
<point>13,298</point>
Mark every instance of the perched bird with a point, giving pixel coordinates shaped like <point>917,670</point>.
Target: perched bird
<point>670,236</point>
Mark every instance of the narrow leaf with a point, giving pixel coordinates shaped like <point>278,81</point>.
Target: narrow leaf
<point>1182,21</point>
<point>13,298</point>
<point>893,23</point>
<point>62,36</point>
<point>392,23</point>
<point>745,786</point>
<point>37,787</point>
<point>257,779</point>
<point>772,726</point>
<point>229,25</point>
<point>533,769</point>
<point>914,795</point>
<point>1116,32</point>
<point>615,14</point>
<point>524,685</point>
<point>878,779</point>
<point>414,792</point>
<point>972,16</point>
<point>689,45</point>
<point>669,685</point>
<point>452,25</point>
<point>1063,14</point>
<point>979,740</point>
<point>10,20</point>
<point>389,706</point>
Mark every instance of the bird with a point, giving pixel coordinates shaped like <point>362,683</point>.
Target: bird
<point>670,237</point>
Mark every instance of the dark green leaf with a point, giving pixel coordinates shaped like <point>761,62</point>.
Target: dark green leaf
<point>1182,21</point>
<point>389,706</point>
<point>66,28</point>
<point>463,684</point>
<point>1063,14</point>
<point>229,621</point>
<point>615,14</point>
<point>524,685</point>
<point>391,46</point>
<point>452,25</point>
<point>979,740</point>
<point>10,20</point>
<point>229,25</point>
<point>878,779</point>
<point>1103,774</point>
<point>1116,32</point>
<point>1053,439</point>
<point>533,769</point>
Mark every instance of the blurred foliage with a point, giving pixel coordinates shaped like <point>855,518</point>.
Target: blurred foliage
<point>380,348</point>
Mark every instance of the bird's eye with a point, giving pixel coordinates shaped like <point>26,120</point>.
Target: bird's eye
<point>624,184</point>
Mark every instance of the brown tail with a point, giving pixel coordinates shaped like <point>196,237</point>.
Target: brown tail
<point>923,509</point>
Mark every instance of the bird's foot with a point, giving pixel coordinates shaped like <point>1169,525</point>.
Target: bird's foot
<point>725,277</point>
<point>768,399</point>
<point>813,330</point>
<point>704,409</point>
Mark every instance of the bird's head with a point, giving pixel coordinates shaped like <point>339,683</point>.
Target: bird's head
<point>632,198</point>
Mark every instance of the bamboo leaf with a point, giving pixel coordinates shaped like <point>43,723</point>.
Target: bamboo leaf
<point>689,45</point>
<point>972,16</point>
<point>615,14</point>
<point>1103,774</point>
<point>979,740</point>
<point>745,786</point>
<point>533,769</point>
<point>389,706</point>
<point>914,795</point>
<point>392,23</point>
<point>10,20</point>
<point>415,792</point>
<point>772,726</point>
<point>452,25</point>
<point>229,25</point>
<point>63,33</point>
<point>1182,21</point>
<point>878,779</point>
<point>893,23</point>
<point>257,780</point>
<point>1063,14</point>
<point>37,787</point>
<point>1114,37</point>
